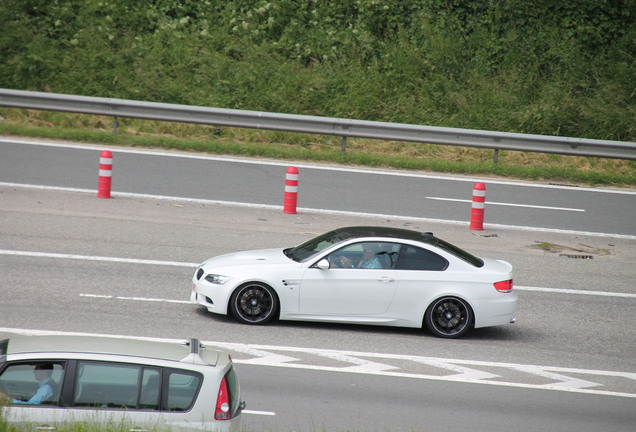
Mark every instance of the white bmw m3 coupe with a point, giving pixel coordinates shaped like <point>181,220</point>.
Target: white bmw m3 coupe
<point>362,275</point>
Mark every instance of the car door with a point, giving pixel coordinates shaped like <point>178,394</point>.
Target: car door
<point>423,275</point>
<point>347,288</point>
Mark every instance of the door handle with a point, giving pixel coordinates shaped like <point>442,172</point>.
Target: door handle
<point>386,279</point>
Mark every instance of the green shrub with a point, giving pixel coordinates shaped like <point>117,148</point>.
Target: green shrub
<point>564,68</point>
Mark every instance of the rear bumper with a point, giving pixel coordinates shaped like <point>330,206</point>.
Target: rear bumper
<point>493,312</point>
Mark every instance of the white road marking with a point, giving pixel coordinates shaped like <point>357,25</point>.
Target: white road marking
<point>463,372</point>
<point>262,357</point>
<point>195,265</point>
<point>509,204</point>
<point>96,258</point>
<point>558,377</point>
<point>323,211</point>
<point>576,292</point>
<point>265,413</point>
<point>144,299</point>
<point>359,365</point>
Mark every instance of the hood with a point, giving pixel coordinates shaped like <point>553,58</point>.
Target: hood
<point>248,258</point>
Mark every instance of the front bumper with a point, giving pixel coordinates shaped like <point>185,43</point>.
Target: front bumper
<point>214,298</point>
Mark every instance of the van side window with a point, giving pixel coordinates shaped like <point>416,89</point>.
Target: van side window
<point>118,386</point>
<point>183,388</point>
<point>33,383</point>
<point>150,389</point>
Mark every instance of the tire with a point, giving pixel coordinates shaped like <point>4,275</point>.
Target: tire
<point>254,303</point>
<point>449,317</point>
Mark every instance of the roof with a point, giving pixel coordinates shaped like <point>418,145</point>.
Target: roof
<point>65,344</point>
<point>347,233</point>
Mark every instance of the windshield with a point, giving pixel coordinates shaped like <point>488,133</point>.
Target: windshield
<point>314,246</point>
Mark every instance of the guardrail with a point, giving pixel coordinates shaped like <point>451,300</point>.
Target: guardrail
<point>317,125</point>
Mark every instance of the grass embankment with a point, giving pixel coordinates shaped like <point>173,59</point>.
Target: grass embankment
<point>304,147</point>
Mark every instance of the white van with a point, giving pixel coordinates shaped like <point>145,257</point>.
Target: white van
<point>48,381</point>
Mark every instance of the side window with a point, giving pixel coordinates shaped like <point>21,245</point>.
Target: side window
<point>150,389</point>
<point>368,255</point>
<point>414,258</point>
<point>33,383</point>
<point>118,386</point>
<point>183,388</point>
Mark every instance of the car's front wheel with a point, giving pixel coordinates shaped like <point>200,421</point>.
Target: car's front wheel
<point>449,317</point>
<point>254,303</point>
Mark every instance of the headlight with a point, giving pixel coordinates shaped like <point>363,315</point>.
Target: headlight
<point>217,279</point>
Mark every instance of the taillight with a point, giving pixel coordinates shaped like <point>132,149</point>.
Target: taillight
<point>222,411</point>
<point>504,286</point>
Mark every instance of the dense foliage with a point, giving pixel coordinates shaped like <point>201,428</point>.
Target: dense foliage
<point>550,67</point>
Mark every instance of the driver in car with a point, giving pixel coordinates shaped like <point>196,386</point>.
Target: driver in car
<point>46,390</point>
<point>369,259</point>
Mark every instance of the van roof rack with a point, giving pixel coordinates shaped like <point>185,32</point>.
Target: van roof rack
<point>194,357</point>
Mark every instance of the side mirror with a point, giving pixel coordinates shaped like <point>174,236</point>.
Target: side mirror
<point>323,264</point>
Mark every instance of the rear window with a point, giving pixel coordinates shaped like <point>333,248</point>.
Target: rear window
<point>459,253</point>
<point>233,389</point>
<point>183,387</point>
<point>414,258</point>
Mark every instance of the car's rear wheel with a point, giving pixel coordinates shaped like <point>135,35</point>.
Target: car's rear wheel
<point>254,303</point>
<point>449,317</point>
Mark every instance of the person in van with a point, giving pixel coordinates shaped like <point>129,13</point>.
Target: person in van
<point>47,388</point>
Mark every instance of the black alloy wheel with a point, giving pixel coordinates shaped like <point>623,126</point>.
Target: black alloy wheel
<point>449,317</point>
<point>254,303</point>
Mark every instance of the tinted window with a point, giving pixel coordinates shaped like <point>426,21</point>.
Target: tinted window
<point>119,386</point>
<point>183,388</point>
<point>33,383</point>
<point>367,255</point>
<point>414,258</point>
<point>310,248</point>
<point>460,253</point>
<point>233,389</point>
<point>150,389</point>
